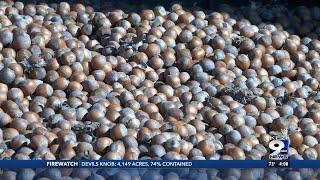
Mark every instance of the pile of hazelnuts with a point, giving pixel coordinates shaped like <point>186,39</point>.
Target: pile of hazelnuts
<point>157,174</point>
<point>162,84</point>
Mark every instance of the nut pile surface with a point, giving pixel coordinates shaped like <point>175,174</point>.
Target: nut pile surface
<point>163,174</point>
<point>157,84</point>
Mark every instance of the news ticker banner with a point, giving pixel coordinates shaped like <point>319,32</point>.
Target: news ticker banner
<point>218,164</point>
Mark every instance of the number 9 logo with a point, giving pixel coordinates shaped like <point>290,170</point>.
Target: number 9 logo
<point>276,145</point>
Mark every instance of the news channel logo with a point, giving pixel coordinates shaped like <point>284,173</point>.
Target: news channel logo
<point>279,148</point>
